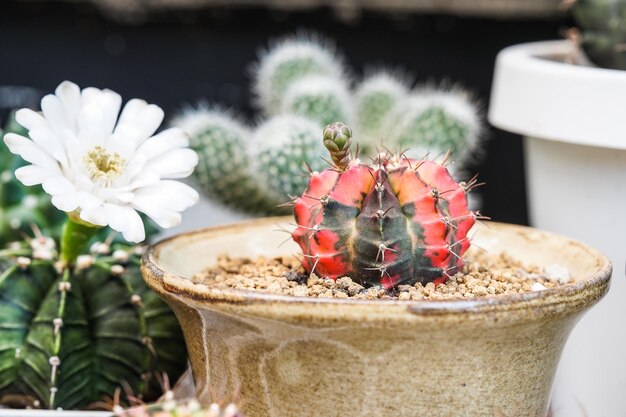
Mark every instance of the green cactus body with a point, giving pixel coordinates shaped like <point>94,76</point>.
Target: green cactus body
<point>322,99</point>
<point>375,100</point>
<point>288,62</point>
<point>69,339</point>
<point>603,29</point>
<point>435,123</point>
<point>223,170</point>
<point>281,146</point>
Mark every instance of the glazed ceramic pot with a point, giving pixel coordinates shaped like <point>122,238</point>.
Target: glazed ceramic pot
<point>572,120</point>
<point>304,357</point>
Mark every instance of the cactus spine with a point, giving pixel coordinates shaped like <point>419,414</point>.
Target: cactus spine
<point>397,221</point>
<point>69,336</point>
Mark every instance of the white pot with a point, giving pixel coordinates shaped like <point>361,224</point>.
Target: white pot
<point>573,119</point>
<point>53,413</point>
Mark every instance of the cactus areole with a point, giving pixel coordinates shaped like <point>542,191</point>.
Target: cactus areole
<point>396,221</point>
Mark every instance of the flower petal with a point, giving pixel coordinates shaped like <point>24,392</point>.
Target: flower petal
<point>178,163</point>
<point>140,120</point>
<point>65,202</point>
<point>32,174</point>
<point>58,185</point>
<point>163,142</point>
<point>97,216</point>
<point>30,119</point>
<point>54,112</point>
<point>162,202</point>
<point>69,95</point>
<point>30,151</point>
<point>126,220</point>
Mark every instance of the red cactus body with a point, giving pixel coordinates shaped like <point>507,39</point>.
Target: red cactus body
<point>397,221</point>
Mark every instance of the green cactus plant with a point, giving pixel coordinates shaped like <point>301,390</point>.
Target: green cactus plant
<point>375,98</point>
<point>288,61</point>
<point>282,146</point>
<point>71,336</point>
<point>436,121</point>
<point>602,26</point>
<point>300,85</point>
<point>223,171</point>
<point>318,98</point>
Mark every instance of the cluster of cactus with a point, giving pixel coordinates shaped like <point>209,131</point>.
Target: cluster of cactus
<point>602,25</point>
<point>22,208</point>
<point>301,85</point>
<point>170,407</point>
<point>393,222</point>
<point>71,334</point>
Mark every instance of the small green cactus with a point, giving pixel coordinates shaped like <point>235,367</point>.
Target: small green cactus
<point>282,146</point>
<point>436,121</point>
<point>289,61</point>
<point>223,170</point>
<point>321,99</point>
<point>375,97</point>
<point>603,31</point>
<point>71,336</point>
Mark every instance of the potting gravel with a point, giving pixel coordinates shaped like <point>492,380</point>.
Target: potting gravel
<point>483,275</point>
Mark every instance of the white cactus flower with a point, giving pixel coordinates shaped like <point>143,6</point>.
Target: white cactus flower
<point>101,168</point>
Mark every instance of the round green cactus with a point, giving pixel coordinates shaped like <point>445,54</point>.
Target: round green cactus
<point>322,99</point>
<point>69,336</point>
<point>223,170</point>
<point>603,31</point>
<point>375,98</point>
<point>289,61</point>
<point>282,146</point>
<point>435,122</point>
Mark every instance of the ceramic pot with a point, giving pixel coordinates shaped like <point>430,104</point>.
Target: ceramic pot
<point>572,120</point>
<point>305,357</point>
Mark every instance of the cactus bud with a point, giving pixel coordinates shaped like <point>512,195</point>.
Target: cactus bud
<point>337,139</point>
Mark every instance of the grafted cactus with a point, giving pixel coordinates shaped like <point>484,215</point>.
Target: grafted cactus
<point>71,336</point>
<point>397,221</point>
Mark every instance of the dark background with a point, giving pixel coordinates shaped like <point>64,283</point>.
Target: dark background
<point>177,58</point>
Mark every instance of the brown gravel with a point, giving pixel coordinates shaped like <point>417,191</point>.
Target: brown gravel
<point>483,275</point>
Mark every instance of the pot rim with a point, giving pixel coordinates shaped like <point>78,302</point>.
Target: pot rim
<point>594,286</point>
<point>536,94</point>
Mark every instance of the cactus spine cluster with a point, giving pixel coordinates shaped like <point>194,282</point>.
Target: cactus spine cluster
<point>307,79</point>
<point>602,25</point>
<point>70,335</point>
<point>396,221</point>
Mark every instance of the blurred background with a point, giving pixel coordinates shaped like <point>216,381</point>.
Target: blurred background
<point>173,53</point>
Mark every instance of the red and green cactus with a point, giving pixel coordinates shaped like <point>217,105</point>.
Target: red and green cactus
<point>396,221</point>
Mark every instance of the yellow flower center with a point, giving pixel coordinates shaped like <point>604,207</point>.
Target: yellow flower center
<point>102,165</point>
